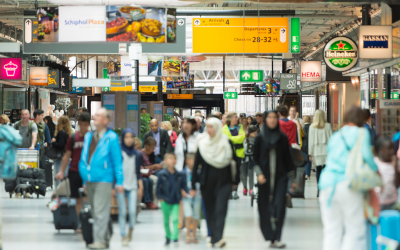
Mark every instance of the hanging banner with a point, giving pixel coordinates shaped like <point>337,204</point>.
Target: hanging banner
<point>240,35</point>
<point>132,116</point>
<point>38,76</point>
<point>109,104</point>
<point>10,69</point>
<point>54,79</point>
<point>143,65</point>
<point>341,54</point>
<point>311,71</point>
<point>288,81</point>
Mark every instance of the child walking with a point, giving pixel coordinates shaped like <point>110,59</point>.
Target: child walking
<point>246,171</point>
<point>171,187</point>
<point>133,185</point>
<point>191,205</point>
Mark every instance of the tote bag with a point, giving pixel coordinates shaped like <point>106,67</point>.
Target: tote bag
<point>362,177</point>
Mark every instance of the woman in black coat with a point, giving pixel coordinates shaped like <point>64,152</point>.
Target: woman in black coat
<point>273,164</point>
<point>218,176</point>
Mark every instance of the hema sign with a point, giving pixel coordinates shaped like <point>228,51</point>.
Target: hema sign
<point>375,42</point>
<point>311,71</point>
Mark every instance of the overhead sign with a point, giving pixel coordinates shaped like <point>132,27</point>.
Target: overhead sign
<point>251,75</point>
<point>10,68</point>
<point>311,71</point>
<point>389,104</point>
<point>91,82</point>
<point>230,95</point>
<point>143,65</point>
<point>118,83</point>
<point>341,54</point>
<point>54,79</point>
<point>288,81</point>
<point>240,35</point>
<point>126,66</point>
<point>148,88</point>
<point>180,96</point>
<point>375,42</point>
<point>295,35</point>
<point>38,76</point>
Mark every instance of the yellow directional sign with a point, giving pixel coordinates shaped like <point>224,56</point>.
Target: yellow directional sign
<point>164,88</point>
<point>148,88</point>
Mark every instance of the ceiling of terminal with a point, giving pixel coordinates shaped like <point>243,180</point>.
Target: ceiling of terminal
<point>319,21</point>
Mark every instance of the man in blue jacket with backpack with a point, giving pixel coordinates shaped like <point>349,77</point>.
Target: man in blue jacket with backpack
<point>100,165</point>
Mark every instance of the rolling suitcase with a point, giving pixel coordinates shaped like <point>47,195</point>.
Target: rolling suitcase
<point>48,172</point>
<point>65,215</point>
<point>301,183</point>
<point>388,228</point>
<point>87,222</point>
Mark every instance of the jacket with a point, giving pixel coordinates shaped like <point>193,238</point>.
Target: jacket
<point>164,186</point>
<point>306,129</point>
<point>317,143</point>
<point>165,141</point>
<point>61,140</point>
<point>236,140</point>
<point>181,147</point>
<point>105,164</point>
<point>289,128</point>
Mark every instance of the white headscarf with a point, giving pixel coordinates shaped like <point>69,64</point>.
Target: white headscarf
<point>216,151</point>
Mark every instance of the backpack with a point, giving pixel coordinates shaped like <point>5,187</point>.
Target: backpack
<point>30,124</point>
<point>249,148</point>
<point>9,140</point>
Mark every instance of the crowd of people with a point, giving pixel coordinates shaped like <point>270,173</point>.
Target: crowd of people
<point>192,167</point>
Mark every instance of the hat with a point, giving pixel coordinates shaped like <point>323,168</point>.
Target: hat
<point>259,114</point>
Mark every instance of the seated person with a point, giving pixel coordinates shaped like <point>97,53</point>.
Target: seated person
<point>149,179</point>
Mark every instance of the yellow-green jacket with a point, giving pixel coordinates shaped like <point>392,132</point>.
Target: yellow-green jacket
<point>236,140</point>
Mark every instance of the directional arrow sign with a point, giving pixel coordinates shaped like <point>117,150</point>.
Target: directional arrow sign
<point>230,95</point>
<point>181,22</point>
<point>251,75</point>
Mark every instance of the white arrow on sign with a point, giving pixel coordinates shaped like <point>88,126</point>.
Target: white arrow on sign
<point>197,22</point>
<point>227,95</point>
<point>246,75</point>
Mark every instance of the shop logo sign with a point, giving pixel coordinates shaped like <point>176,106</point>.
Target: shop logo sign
<point>341,54</point>
<point>376,42</point>
<point>10,68</point>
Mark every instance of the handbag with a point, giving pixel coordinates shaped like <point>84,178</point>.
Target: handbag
<point>52,153</point>
<point>362,177</point>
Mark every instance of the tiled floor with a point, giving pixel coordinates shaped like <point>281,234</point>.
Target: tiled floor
<point>28,224</point>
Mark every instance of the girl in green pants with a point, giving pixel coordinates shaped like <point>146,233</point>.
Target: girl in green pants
<point>171,185</point>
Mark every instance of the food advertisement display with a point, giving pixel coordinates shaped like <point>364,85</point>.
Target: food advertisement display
<point>171,25</point>
<point>172,67</point>
<point>47,27</point>
<point>155,65</point>
<point>136,24</point>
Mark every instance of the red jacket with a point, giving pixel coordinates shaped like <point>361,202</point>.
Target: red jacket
<point>173,138</point>
<point>289,128</point>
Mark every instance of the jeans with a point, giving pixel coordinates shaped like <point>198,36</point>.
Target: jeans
<point>247,173</point>
<point>57,167</point>
<point>171,210</point>
<point>132,202</point>
<point>308,164</point>
<point>147,189</point>
<point>99,197</point>
<point>192,207</point>
<point>343,221</point>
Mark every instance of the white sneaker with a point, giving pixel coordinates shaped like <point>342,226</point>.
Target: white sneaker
<point>97,245</point>
<point>307,177</point>
<point>125,241</point>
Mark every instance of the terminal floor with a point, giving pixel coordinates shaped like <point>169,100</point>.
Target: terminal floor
<point>28,224</point>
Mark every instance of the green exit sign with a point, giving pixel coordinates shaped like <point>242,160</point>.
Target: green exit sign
<point>105,89</point>
<point>251,76</point>
<point>295,35</point>
<point>230,95</point>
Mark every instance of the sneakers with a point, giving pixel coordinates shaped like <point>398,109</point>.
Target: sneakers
<point>97,245</point>
<point>251,192</point>
<point>167,242</point>
<point>277,244</point>
<point>289,203</point>
<point>151,205</point>
<point>176,243</point>
<point>307,177</point>
<point>235,195</point>
<point>130,234</point>
<point>244,191</point>
<point>220,244</point>
<point>125,241</point>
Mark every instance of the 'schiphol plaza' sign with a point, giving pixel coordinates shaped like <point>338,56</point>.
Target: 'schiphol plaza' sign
<point>341,54</point>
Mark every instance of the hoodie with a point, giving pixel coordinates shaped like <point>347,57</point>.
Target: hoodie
<point>289,128</point>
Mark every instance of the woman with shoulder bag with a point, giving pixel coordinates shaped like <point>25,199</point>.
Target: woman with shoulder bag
<point>319,133</point>
<point>62,133</point>
<point>341,200</point>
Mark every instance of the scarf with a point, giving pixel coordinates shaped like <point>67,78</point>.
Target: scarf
<point>216,151</point>
<point>128,150</point>
<point>271,135</point>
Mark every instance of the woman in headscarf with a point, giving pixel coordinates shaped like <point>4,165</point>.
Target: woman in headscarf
<point>133,185</point>
<point>273,163</point>
<point>218,175</point>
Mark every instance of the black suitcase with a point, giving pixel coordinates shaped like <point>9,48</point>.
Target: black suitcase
<point>10,185</point>
<point>65,215</point>
<point>48,172</point>
<point>87,222</point>
<point>301,183</point>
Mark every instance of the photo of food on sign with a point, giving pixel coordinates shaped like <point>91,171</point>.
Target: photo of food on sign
<point>136,24</point>
<point>172,68</point>
<point>47,25</point>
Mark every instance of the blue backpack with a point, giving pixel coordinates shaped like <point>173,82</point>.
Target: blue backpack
<point>9,140</point>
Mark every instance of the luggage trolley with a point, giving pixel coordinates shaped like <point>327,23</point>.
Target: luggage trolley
<point>27,159</point>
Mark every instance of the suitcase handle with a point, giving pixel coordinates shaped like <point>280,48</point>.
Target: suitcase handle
<point>67,191</point>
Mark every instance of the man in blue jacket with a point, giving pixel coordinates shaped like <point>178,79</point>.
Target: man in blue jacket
<point>100,165</point>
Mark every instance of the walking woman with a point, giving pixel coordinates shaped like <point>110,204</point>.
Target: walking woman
<point>304,147</point>
<point>342,209</point>
<point>61,134</point>
<point>217,177</point>
<point>273,163</point>
<point>172,135</point>
<point>236,135</point>
<point>319,133</point>
<point>49,122</point>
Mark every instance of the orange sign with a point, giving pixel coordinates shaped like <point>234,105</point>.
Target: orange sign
<point>180,96</point>
<point>38,76</point>
<point>240,35</point>
<point>126,88</point>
